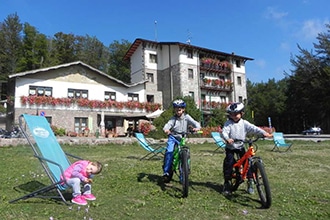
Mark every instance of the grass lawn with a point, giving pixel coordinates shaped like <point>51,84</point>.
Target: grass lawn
<point>129,188</point>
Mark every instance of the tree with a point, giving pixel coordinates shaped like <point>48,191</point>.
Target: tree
<point>63,49</point>
<point>191,109</point>
<point>119,68</point>
<point>266,100</point>
<point>309,86</point>
<point>34,49</point>
<point>217,118</point>
<point>92,52</point>
<point>10,45</point>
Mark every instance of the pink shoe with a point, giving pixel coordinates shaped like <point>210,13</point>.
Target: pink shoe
<point>89,197</point>
<point>79,200</point>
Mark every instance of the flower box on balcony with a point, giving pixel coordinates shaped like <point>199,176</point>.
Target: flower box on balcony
<point>86,103</point>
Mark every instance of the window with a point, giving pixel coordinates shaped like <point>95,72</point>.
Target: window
<point>238,63</point>
<point>150,77</point>
<point>240,99</point>
<point>190,53</point>
<point>239,80</point>
<point>80,124</point>
<point>223,99</point>
<point>192,95</point>
<point>109,96</point>
<point>150,98</point>
<point>49,119</point>
<point>152,58</point>
<point>41,91</point>
<point>133,97</point>
<point>190,73</point>
<point>77,93</point>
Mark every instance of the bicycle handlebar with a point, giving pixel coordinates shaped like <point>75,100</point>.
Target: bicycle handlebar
<point>249,140</point>
<point>184,133</point>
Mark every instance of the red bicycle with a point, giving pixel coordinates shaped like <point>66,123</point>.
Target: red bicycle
<point>251,161</point>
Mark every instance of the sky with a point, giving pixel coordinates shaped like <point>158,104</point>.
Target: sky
<point>267,31</point>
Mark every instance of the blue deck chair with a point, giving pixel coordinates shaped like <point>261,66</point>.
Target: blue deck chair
<point>218,141</point>
<point>50,154</point>
<point>154,150</point>
<point>280,142</point>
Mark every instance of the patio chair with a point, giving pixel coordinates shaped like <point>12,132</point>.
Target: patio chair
<point>154,149</point>
<point>50,155</point>
<point>218,141</point>
<point>280,142</point>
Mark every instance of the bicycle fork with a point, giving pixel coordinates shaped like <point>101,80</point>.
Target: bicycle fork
<point>252,161</point>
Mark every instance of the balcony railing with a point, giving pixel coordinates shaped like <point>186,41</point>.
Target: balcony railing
<point>210,85</point>
<point>212,105</point>
<point>215,68</point>
<point>81,103</point>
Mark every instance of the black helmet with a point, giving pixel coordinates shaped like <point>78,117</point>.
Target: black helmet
<point>179,103</point>
<point>236,107</point>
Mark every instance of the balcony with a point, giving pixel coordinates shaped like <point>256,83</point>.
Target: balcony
<point>212,65</point>
<point>216,85</point>
<point>82,103</point>
<point>212,105</point>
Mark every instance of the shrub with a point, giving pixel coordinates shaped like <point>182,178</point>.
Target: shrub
<point>58,131</point>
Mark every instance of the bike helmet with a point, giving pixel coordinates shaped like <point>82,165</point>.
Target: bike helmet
<point>236,107</point>
<point>179,103</point>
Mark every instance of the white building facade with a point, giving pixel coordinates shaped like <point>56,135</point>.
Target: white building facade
<point>76,96</point>
<point>173,69</point>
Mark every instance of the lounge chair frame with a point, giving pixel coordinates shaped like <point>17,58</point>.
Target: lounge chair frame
<point>154,149</point>
<point>49,153</point>
<point>221,145</point>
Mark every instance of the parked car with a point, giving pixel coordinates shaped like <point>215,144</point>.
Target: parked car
<point>312,130</point>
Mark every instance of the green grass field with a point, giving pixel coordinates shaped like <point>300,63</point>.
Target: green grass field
<point>129,188</point>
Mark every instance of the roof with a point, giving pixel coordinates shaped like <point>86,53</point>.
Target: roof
<point>73,64</point>
<point>138,41</point>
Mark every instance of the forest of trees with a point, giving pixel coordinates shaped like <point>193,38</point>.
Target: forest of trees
<point>298,101</point>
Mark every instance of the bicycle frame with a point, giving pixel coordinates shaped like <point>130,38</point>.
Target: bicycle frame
<point>179,146</point>
<point>244,161</point>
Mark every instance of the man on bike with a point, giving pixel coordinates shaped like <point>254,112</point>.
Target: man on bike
<point>178,123</point>
<point>236,128</point>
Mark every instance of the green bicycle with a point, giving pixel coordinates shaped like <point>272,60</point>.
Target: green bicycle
<point>181,161</point>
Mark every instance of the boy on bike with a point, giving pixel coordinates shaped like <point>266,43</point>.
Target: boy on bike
<point>178,123</point>
<point>236,128</point>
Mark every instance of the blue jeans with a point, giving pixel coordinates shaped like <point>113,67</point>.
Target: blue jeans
<point>168,159</point>
<point>75,184</point>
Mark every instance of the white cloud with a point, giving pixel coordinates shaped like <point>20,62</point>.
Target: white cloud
<point>311,28</point>
<point>274,14</point>
<point>285,46</point>
<point>260,63</point>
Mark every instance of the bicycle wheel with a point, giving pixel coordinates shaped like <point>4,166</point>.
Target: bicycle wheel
<point>262,184</point>
<point>184,172</point>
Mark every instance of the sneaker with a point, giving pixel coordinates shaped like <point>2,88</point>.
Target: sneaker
<point>89,197</point>
<point>79,200</point>
<point>250,189</point>
<point>166,178</point>
<point>227,188</point>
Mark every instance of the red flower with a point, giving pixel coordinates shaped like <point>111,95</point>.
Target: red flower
<point>44,100</point>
